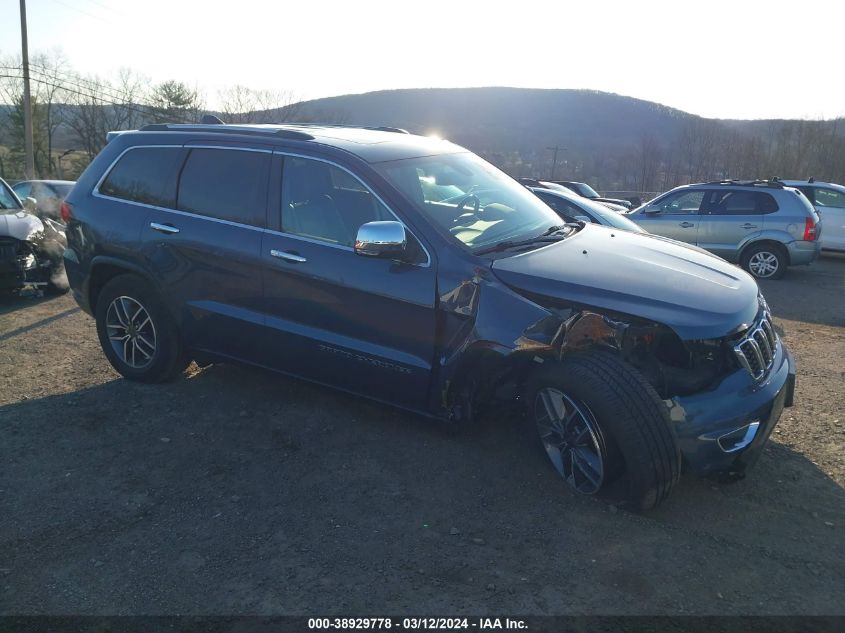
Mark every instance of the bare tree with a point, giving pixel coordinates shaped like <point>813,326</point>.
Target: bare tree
<point>648,156</point>
<point>240,104</point>
<point>97,106</point>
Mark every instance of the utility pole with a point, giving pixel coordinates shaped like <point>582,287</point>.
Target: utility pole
<point>554,160</point>
<point>29,170</point>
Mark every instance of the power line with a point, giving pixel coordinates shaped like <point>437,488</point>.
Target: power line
<point>77,81</point>
<point>82,11</point>
<point>87,88</point>
<point>126,106</point>
<point>105,6</point>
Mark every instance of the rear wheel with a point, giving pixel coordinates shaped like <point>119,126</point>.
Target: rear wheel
<point>136,332</point>
<point>603,427</point>
<point>765,261</point>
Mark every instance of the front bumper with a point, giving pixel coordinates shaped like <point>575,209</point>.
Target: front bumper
<point>724,430</point>
<point>20,270</point>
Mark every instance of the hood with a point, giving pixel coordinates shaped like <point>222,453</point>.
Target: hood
<point>625,204</point>
<point>20,225</point>
<point>698,295</point>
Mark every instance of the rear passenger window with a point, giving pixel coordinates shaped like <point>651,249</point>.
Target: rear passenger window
<point>742,203</point>
<point>146,175</point>
<point>830,198</point>
<point>225,184</point>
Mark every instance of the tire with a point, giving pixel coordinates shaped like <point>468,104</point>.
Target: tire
<point>628,428</point>
<point>153,337</point>
<point>759,260</point>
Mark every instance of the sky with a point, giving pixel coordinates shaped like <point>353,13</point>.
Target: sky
<point>738,59</point>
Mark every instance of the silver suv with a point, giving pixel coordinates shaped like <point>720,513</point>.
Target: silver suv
<point>762,225</point>
<point>829,200</point>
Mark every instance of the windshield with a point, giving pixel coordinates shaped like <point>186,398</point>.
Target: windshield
<point>469,198</point>
<point>8,200</point>
<point>586,190</point>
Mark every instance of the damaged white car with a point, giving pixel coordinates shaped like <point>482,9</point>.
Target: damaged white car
<point>31,247</point>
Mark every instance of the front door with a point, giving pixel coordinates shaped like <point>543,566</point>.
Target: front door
<point>360,323</point>
<point>730,218</point>
<point>675,216</point>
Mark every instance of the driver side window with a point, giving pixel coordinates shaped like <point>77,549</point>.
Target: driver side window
<point>326,203</point>
<point>683,203</point>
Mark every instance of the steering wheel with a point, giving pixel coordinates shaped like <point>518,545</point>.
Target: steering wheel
<point>476,207</point>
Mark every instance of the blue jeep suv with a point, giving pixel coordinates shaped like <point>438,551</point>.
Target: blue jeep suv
<point>411,271</point>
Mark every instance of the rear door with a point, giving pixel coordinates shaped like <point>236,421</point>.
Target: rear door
<point>731,218</point>
<point>830,204</point>
<point>204,247</point>
<point>675,216</point>
<point>361,323</point>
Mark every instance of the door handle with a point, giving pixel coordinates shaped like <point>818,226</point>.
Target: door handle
<point>686,225</point>
<point>749,226</point>
<point>163,228</point>
<point>290,257</point>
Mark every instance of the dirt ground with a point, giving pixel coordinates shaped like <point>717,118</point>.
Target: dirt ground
<point>234,491</point>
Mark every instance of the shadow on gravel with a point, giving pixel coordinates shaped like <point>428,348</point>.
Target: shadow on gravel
<point>42,323</point>
<point>236,491</point>
<point>11,302</point>
<point>790,297</point>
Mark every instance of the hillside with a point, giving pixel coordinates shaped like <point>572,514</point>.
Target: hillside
<point>612,141</point>
<point>508,119</point>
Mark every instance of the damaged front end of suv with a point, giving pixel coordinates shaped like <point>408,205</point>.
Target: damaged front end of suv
<point>31,252</point>
<point>684,368</point>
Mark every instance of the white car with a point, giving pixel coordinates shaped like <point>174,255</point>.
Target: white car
<point>829,201</point>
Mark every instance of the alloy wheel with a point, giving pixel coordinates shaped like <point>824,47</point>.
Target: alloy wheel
<point>572,439</point>
<point>131,332</point>
<point>763,264</point>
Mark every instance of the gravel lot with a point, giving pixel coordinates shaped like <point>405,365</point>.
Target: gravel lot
<point>236,491</point>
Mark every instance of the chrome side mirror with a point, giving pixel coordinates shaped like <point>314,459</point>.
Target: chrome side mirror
<point>30,204</point>
<point>381,239</point>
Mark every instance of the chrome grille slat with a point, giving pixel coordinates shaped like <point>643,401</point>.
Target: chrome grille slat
<point>763,341</point>
<point>757,347</point>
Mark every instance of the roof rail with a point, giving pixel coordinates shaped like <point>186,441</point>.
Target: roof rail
<point>773,183</point>
<point>375,128</point>
<point>386,128</point>
<point>217,128</point>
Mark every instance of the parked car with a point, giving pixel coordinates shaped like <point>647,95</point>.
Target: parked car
<point>318,252</point>
<point>586,191</point>
<point>30,246</point>
<point>829,202</point>
<point>49,194</point>
<point>571,207</point>
<point>554,186</point>
<point>762,225</point>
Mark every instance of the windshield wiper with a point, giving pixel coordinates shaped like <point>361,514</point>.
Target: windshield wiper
<point>546,236</point>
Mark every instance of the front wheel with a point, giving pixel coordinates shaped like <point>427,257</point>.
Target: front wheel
<point>600,422</point>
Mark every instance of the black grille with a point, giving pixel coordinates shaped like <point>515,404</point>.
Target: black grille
<point>9,248</point>
<point>756,350</point>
